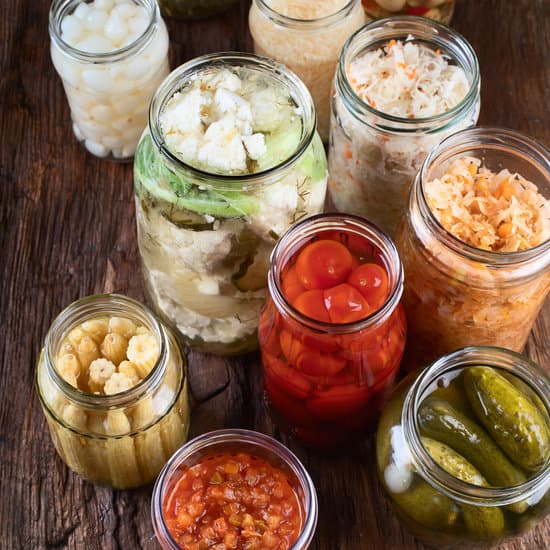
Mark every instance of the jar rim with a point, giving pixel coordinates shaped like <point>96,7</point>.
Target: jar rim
<point>467,141</point>
<point>401,27</point>
<point>218,439</point>
<point>177,79</point>
<point>495,357</point>
<point>60,8</point>
<point>100,305</point>
<point>297,23</point>
<point>298,234</point>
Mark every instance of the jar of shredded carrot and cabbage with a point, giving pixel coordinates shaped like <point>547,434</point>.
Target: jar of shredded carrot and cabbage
<point>113,387</point>
<point>475,244</point>
<point>402,85</point>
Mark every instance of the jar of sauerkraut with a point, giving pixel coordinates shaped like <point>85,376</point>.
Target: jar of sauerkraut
<point>440,10</point>
<point>112,383</point>
<point>194,9</point>
<point>307,38</point>
<point>475,243</point>
<point>111,56</point>
<point>230,160</point>
<point>402,85</point>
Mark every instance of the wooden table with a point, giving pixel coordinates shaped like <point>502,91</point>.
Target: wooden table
<point>67,229</point>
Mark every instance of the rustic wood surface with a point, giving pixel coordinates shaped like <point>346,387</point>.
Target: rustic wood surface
<point>67,230</point>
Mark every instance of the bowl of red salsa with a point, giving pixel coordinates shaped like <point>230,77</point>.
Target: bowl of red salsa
<point>234,489</point>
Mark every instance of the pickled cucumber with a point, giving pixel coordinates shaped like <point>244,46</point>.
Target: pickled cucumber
<point>427,507</point>
<point>484,522</point>
<point>511,418</point>
<point>439,420</point>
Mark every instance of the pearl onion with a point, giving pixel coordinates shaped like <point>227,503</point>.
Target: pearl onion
<point>71,29</point>
<point>96,148</point>
<point>94,43</point>
<point>95,20</point>
<point>125,10</point>
<point>115,28</point>
<point>82,10</point>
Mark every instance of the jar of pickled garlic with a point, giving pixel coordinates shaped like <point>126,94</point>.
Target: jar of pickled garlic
<point>230,160</point>
<point>440,10</point>
<point>402,85</point>
<point>234,489</point>
<point>194,9</point>
<point>307,38</point>
<point>475,243</point>
<point>112,383</point>
<point>111,56</point>
<point>333,331</point>
<point>463,450</point>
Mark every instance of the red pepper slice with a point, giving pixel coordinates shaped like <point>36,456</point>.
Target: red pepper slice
<point>289,380</point>
<point>320,366</point>
<point>417,10</point>
<point>290,346</point>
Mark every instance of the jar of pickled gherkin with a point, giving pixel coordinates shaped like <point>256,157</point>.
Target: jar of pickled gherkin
<point>333,331</point>
<point>440,10</point>
<point>194,9</point>
<point>463,451</point>
<point>112,383</point>
<point>229,161</point>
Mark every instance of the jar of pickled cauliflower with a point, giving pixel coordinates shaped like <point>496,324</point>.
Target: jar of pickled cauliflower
<point>194,9</point>
<point>307,38</point>
<point>111,56</point>
<point>234,489</point>
<point>230,160</point>
<point>475,243</point>
<point>113,386</point>
<point>332,333</point>
<point>463,451</point>
<point>402,85</point>
<point>440,10</point>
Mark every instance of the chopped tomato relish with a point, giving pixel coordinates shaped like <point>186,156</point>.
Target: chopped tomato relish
<point>233,501</point>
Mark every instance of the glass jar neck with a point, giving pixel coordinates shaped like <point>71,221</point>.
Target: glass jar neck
<point>517,365</point>
<point>101,305</point>
<point>425,225</point>
<point>257,65</point>
<point>428,32</point>
<point>61,8</point>
<point>299,24</point>
<point>303,232</point>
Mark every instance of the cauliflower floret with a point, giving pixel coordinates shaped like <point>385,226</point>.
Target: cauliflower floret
<point>255,146</point>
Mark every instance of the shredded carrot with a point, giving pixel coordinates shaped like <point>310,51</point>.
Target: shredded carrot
<point>438,52</point>
<point>348,154</point>
<point>391,44</point>
<point>401,65</point>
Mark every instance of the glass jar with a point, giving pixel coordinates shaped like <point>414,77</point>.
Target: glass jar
<point>205,238</point>
<point>425,488</point>
<point>307,38</point>
<point>108,83</point>
<point>440,10</point>
<point>194,9</point>
<point>325,383</point>
<point>121,440</point>
<point>374,156</point>
<point>236,441</point>
<point>455,294</point>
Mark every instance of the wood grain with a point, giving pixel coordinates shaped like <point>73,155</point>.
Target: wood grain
<point>67,230</point>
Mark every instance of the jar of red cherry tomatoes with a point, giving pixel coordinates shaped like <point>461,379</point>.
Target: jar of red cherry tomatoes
<point>333,331</point>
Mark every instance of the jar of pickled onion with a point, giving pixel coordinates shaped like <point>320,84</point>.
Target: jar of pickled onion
<point>332,333</point>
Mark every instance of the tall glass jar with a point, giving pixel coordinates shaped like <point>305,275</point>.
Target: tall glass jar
<point>325,382</point>
<point>205,238</point>
<point>111,58</point>
<point>121,440</point>
<point>456,294</point>
<point>194,9</point>
<point>373,155</point>
<point>307,38</point>
<point>440,10</point>
<point>221,442</point>
<point>426,461</point>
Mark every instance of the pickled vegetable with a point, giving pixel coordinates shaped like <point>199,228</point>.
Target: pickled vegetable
<point>513,420</point>
<point>440,10</point>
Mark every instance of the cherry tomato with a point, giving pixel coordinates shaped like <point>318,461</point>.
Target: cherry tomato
<point>320,365</point>
<point>291,285</point>
<point>345,304</point>
<point>312,304</point>
<point>372,281</point>
<point>324,263</point>
<point>289,380</point>
<point>338,402</point>
<point>326,343</point>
